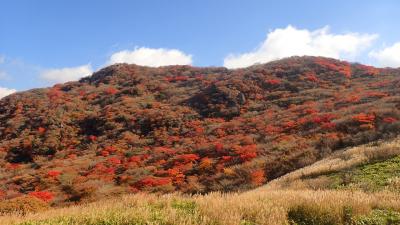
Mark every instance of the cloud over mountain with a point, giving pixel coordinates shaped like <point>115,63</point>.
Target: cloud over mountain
<point>291,41</point>
<point>151,57</point>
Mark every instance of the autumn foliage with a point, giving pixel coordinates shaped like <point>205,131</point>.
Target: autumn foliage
<point>42,195</point>
<point>129,128</point>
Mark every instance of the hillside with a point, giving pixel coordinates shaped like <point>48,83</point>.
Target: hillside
<point>295,198</point>
<point>128,128</point>
<point>371,167</point>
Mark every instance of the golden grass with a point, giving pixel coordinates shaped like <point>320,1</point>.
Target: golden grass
<point>261,206</point>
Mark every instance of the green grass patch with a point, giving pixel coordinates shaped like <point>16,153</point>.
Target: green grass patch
<point>369,177</point>
<point>185,206</point>
<point>379,217</point>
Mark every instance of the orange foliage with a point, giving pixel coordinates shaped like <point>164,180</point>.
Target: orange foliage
<point>41,130</point>
<point>258,177</point>
<point>205,163</point>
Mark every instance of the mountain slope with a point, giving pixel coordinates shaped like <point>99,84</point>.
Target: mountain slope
<point>128,128</point>
<point>295,198</point>
<point>371,167</point>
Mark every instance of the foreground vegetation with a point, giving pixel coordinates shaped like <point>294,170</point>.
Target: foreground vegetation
<point>297,198</point>
<point>261,206</point>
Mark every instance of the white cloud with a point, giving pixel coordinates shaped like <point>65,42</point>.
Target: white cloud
<point>66,74</point>
<point>151,57</point>
<point>389,56</point>
<point>5,91</point>
<point>291,41</point>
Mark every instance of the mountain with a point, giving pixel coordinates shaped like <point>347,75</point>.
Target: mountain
<point>129,128</point>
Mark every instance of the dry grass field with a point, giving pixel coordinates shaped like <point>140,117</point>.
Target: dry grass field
<point>255,207</point>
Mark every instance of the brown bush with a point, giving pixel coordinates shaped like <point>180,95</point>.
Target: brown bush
<point>22,205</point>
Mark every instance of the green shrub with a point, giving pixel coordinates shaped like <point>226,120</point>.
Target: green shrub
<point>310,215</point>
<point>379,217</point>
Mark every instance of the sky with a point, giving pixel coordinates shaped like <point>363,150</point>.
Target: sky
<point>44,42</point>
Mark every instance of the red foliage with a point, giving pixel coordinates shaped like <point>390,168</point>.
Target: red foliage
<point>289,124</point>
<point>227,158</point>
<point>13,166</point>
<point>135,159</point>
<point>246,152</point>
<point>110,170</point>
<point>311,76</point>
<point>364,118</point>
<point>111,91</point>
<point>53,173</point>
<point>322,118</point>
<point>164,150</point>
<point>92,138</point>
<point>43,195</point>
<point>72,156</point>
<point>270,129</point>
<point>389,120</point>
<point>273,81</point>
<point>173,172</point>
<point>369,70</point>
<point>328,125</point>
<point>153,181</point>
<point>54,93</point>
<point>104,153</point>
<point>171,132</point>
<point>353,99</point>
<point>219,147</point>
<point>176,78</point>
<point>344,68</point>
<point>91,96</point>
<point>114,161</point>
<point>110,149</point>
<point>377,94</point>
<point>188,157</point>
<point>248,156</point>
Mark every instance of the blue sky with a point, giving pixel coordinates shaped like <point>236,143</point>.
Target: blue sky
<point>43,42</point>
